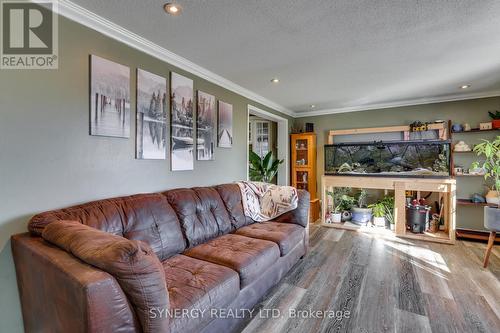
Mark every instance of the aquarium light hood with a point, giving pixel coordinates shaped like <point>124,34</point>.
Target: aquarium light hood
<point>382,142</point>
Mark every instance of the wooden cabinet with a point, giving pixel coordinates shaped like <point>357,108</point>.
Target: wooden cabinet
<point>303,165</point>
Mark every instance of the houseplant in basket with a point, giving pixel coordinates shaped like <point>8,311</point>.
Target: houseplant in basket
<point>490,151</point>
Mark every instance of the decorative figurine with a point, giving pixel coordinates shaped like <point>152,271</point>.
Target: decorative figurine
<point>477,198</point>
<point>461,146</point>
<point>466,127</point>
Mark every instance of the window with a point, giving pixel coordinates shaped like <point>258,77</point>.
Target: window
<point>261,146</point>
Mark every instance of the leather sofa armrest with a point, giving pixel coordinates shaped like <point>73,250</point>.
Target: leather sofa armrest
<point>133,264</point>
<point>60,293</point>
<point>299,215</point>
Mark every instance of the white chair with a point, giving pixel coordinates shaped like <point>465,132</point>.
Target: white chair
<point>492,223</point>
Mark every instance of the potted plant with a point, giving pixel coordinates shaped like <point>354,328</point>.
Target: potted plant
<point>388,203</point>
<point>490,150</point>
<point>346,203</point>
<point>263,169</point>
<point>495,116</point>
<point>336,214</point>
<point>378,213</point>
<point>342,203</point>
<point>361,213</point>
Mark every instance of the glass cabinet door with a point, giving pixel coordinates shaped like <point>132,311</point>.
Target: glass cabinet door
<point>302,179</point>
<point>301,147</point>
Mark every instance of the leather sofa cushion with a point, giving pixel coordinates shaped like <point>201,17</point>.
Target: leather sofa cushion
<point>198,285</point>
<point>201,212</point>
<point>144,217</point>
<point>285,235</point>
<point>231,196</point>
<point>249,257</point>
<point>133,264</point>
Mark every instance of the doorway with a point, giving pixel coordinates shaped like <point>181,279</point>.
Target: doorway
<point>268,132</point>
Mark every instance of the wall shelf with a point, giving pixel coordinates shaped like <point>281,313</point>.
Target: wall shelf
<point>476,130</point>
<point>467,202</point>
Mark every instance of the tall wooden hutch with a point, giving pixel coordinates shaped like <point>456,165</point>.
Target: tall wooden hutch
<point>303,165</point>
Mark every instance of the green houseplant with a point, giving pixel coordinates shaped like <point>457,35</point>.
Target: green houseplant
<point>378,209</point>
<point>342,203</point>
<point>495,116</point>
<point>388,203</point>
<point>490,151</point>
<point>263,169</point>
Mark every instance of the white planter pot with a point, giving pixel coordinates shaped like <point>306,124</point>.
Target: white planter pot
<point>392,226</point>
<point>336,217</point>
<point>492,198</point>
<point>379,221</point>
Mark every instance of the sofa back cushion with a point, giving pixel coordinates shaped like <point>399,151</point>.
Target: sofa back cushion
<point>133,264</point>
<point>231,196</point>
<point>145,217</point>
<point>201,212</point>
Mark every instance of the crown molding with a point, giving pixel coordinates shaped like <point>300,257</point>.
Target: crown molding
<point>410,102</point>
<point>89,19</point>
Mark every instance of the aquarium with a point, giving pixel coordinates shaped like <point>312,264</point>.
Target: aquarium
<point>389,158</point>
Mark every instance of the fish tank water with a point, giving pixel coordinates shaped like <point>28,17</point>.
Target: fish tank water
<point>423,158</point>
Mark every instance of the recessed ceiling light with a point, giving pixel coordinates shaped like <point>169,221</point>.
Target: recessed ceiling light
<point>275,80</point>
<point>465,86</point>
<point>172,8</point>
<point>313,106</point>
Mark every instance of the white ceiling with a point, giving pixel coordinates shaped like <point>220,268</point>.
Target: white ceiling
<point>339,55</point>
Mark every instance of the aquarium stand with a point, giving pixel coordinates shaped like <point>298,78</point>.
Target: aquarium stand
<point>445,187</point>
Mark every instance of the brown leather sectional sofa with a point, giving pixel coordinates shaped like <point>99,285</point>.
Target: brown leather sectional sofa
<point>73,278</point>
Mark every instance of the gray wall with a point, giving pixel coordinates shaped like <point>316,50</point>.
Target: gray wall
<point>469,111</point>
<point>48,160</point>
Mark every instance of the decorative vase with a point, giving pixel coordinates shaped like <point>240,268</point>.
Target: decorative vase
<point>346,216</point>
<point>336,217</point>
<point>492,197</point>
<point>379,221</point>
<point>457,128</point>
<point>496,123</point>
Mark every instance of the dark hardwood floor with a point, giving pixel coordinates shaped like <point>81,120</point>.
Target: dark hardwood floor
<point>375,284</point>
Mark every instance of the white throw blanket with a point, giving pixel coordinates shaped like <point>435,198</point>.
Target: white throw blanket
<point>263,202</point>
